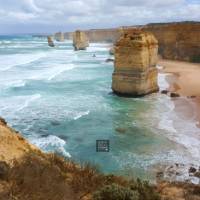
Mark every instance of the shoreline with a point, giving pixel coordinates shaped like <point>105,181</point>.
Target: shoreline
<point>183,79</point>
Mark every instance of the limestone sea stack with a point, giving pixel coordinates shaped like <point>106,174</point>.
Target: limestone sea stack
<point>135,72</point>
<point>50,41</point>
<point>80,40</point>
<point>59,37</point>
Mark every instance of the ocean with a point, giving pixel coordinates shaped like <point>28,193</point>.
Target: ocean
<point>61,101</point>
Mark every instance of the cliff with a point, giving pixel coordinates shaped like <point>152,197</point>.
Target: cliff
<point>68,35</point>
<point>135,72</point>
<point>177,41</point>
<point>80,40</point>
<point>103,35</point>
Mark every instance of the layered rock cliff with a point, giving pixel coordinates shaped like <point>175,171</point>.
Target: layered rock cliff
<point>103,35</point>
<point>177,41</point>
<point>135,70</point>
<point>80,40</point>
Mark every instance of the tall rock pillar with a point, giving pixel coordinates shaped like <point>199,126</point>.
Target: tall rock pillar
<point>80,40</point>
<point>135,72</point>
<point>59,37</point>
<point>50,41</point>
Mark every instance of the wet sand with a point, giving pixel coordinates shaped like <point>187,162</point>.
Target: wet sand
<point>184,79</point>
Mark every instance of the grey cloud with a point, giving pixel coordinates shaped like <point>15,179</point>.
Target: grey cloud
<point>70,14</point>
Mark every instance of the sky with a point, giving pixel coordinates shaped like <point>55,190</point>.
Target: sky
<point>48,16</point>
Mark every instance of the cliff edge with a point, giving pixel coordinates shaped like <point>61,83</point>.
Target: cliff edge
<point>26,173</point>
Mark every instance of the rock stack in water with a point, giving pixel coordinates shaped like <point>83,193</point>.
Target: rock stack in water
<point>135,72</point>
<point>80,40</point>
<point>59,37</point>
<point>50,41</point>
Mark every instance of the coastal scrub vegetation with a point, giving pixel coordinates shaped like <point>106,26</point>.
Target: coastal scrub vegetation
<point>48,176</point>
<point>38,176</point>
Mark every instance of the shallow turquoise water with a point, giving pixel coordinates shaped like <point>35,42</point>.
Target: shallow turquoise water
<point>62,101</point>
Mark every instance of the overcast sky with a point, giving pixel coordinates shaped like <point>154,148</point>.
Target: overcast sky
<point>44,16</point>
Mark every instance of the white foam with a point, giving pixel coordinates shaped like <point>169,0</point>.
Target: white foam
<point>98,47</point>
<point>81,114</point>
<point>15,83</point>
<point>174,126</point>
<point>162,82</point>
<point>60,69</point>
<point>51,143</point>
<point>29,100</point>
<point>9,61</point>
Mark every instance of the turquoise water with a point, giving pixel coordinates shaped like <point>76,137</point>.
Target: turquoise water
<point>62,101</point>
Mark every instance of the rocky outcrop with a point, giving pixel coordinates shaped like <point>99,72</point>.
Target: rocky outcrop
<point>80,40</point>
<point>50,41</point>
<point>59,37</point>
<point>177,41</point>
<point>135,70</point>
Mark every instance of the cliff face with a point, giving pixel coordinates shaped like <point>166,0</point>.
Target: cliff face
<point>68,35</point>
<point>80,40</point>
<point>135,73</point>
<point>103,35</point>
<point>12,144</point>
<point>177,41</point>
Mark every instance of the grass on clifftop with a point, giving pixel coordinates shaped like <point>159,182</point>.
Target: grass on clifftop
<point>39,176</point>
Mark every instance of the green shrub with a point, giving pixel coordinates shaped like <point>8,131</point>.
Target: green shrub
<point>145,191</point>
<point>115,192</point>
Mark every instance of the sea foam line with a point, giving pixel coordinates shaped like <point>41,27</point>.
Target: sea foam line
<point>81,114</point>
<point>28,101</point>
<point>61,70</point>
<point>9,61</point>
<point>51,143</point>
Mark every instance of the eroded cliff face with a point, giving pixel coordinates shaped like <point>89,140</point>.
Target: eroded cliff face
<point>135,70</point>
<point>177,41</point>
<point>103,35</point>
<point>68,35</point>
<point>80,40</point>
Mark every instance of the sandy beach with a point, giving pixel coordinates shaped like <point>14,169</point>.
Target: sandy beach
<point>183,78</point>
